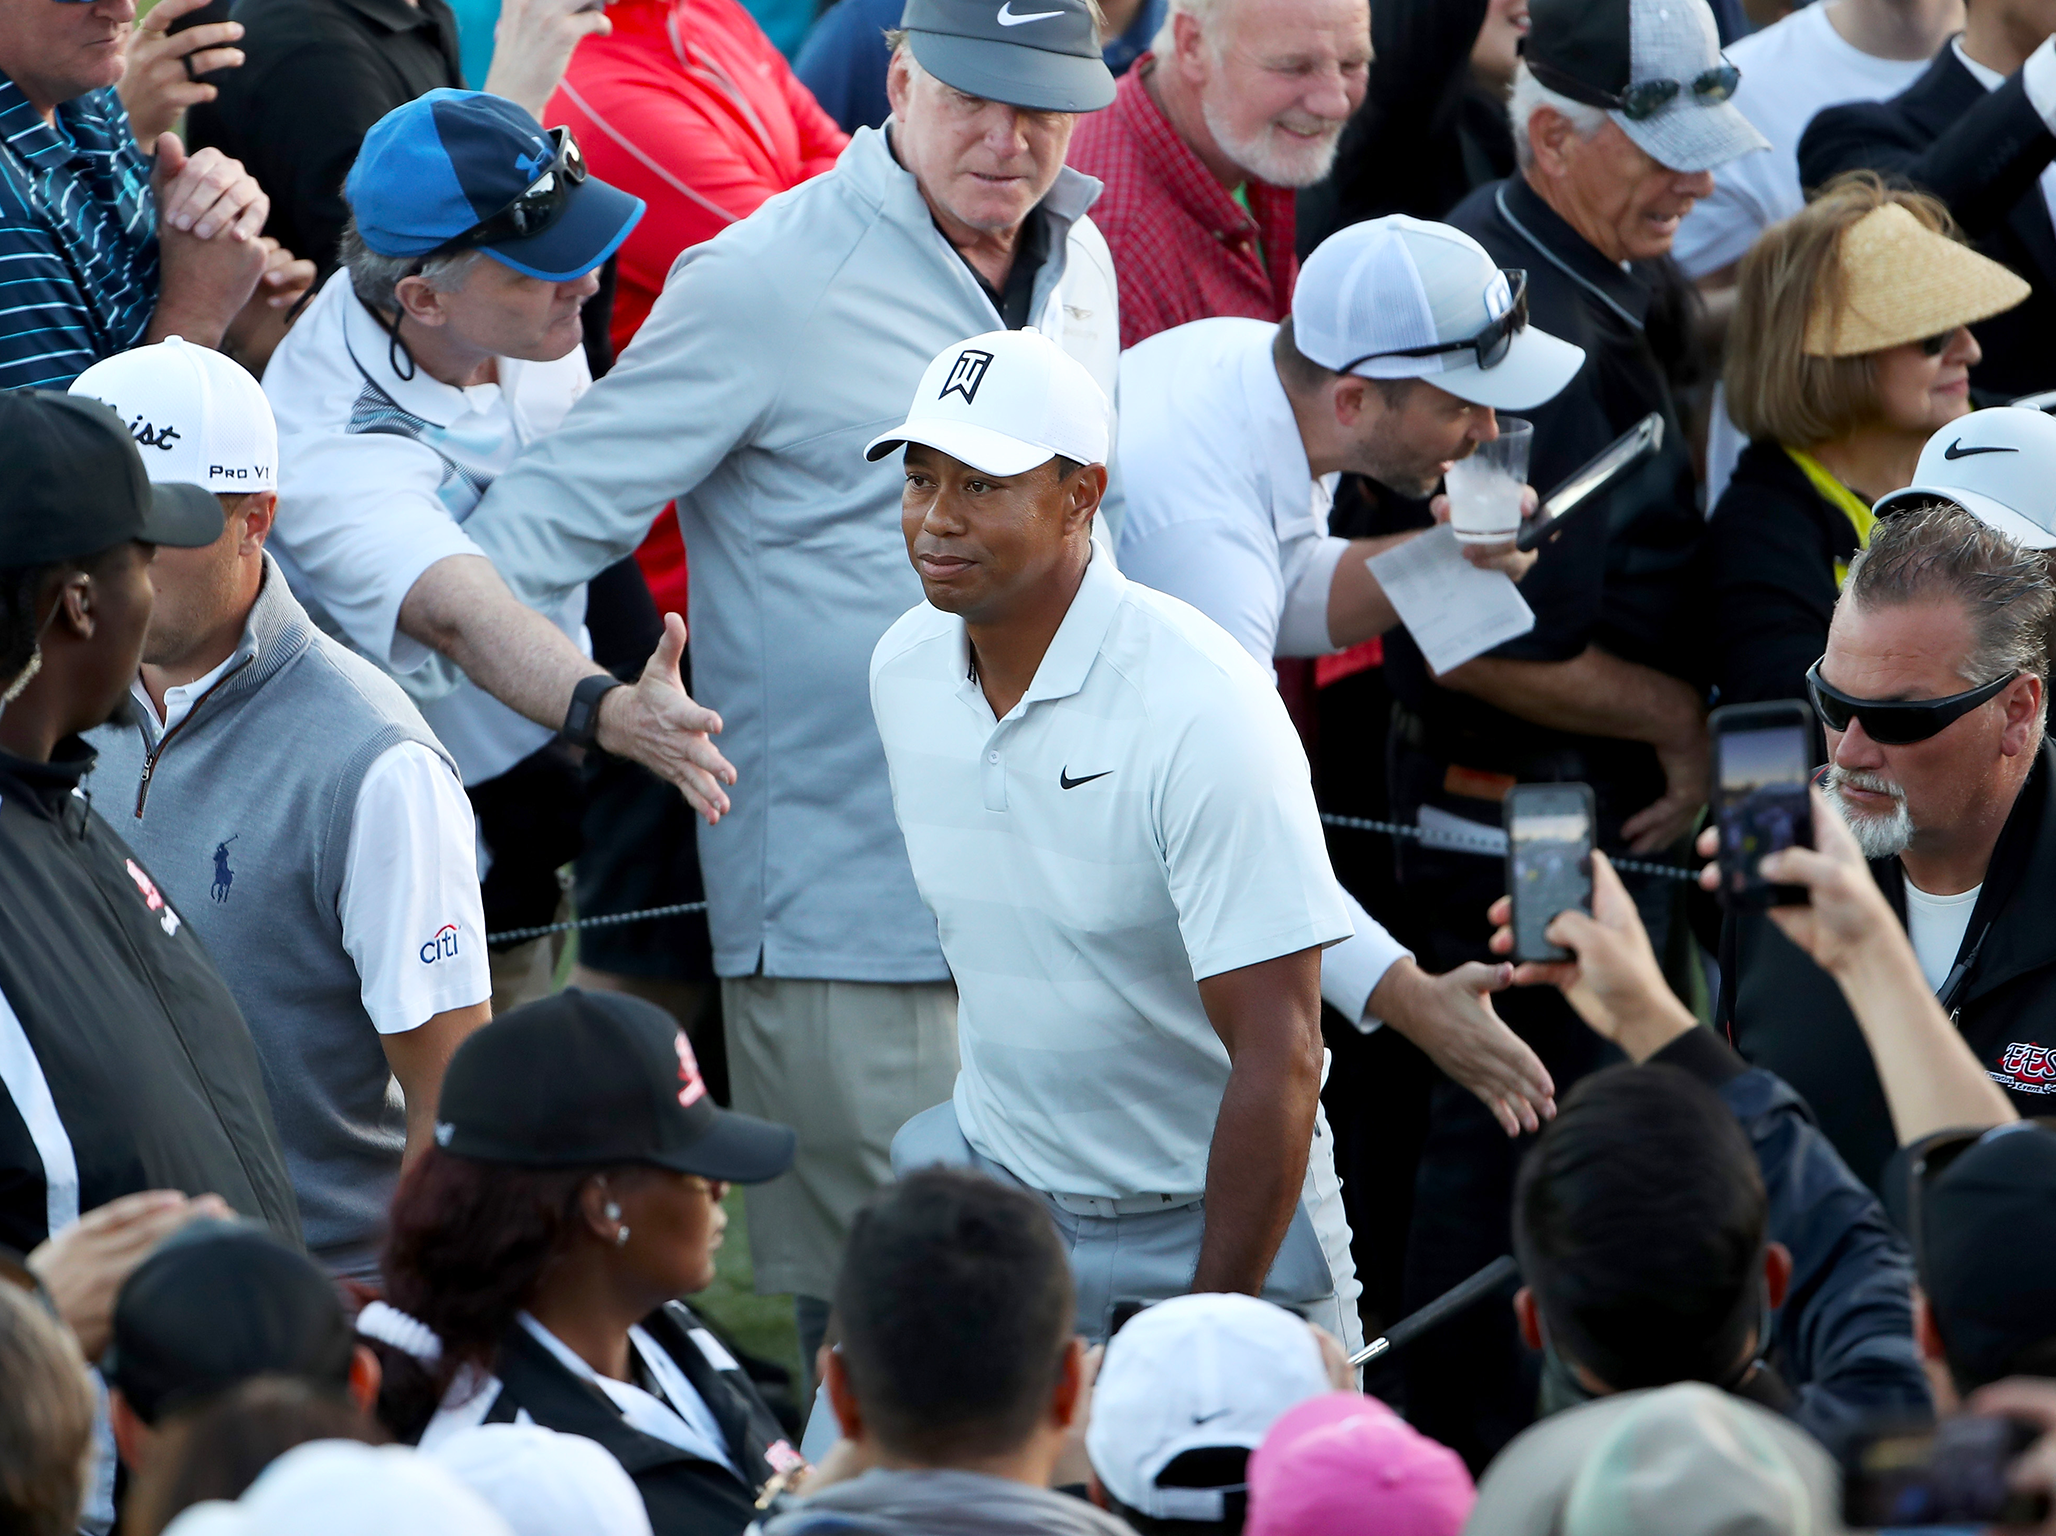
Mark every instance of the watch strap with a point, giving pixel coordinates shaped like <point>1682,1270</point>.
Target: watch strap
<point>582,719</point>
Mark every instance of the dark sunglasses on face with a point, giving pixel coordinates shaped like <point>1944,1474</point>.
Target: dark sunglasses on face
<point>536,209</point>
<point>1936,345</point>
<point>1895,722</point>
<point>1489,347</point>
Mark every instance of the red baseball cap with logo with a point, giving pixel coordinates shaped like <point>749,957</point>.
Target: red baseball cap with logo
<point>586,1078</point>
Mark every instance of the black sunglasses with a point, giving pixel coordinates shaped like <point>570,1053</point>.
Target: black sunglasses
<point>537,208</point>
<point>1933,1157</point>
<point>1489,346</point>
<point>1895,722</point>
<point>1645,98</point>
<point>1937,344</point>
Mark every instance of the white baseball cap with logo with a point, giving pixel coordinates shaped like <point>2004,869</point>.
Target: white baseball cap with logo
<point>1005,402</point>
<point>197,416</point>
<point>1195,1373</point>
<point>1401,298</point>
<point>1999,465</point>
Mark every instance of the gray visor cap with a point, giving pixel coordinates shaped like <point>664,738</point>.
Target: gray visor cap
<point>1042,55</point>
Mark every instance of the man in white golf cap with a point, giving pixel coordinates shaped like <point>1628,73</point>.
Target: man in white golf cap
<point>1112,819</point>
<point>1403,341</point>
<point>1187,1390</point>
<point>299,812</point>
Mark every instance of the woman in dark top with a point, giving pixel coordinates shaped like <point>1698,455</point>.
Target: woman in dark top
<point>574,1190</point>
<point>1849,349</point>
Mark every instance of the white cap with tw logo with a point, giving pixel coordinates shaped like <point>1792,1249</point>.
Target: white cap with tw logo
<point>1999,465</point>
<point>198,417</point>
<point>1004,402</point>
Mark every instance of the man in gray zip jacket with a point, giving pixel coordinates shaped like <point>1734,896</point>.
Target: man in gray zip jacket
<point>775,352</point>
<point>299,813</point>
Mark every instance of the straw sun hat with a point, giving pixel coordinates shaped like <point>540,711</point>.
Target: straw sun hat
<point>1902,281</point>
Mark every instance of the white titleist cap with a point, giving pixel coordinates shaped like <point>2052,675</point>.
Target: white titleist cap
<point>1999,465</point>
<point>198,417</point>
<point>1004,402</point>
<point>1194,1373</point>
<point>1395,285</point>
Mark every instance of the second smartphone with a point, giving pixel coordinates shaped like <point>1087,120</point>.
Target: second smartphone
<point>1549,832</point>
<point>1762,767</point>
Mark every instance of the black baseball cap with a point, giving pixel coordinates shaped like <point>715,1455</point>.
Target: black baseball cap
<point>215,1304</point>
<point>76,485</point>
<point>1987,1248</point>
<point>1039,54</point>
<point>591,1078</point>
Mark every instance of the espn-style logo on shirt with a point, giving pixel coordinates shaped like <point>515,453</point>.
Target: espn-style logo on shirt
<point>2026,1068</point>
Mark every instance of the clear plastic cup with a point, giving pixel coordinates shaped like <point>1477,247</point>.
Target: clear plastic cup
<point>1485,488</point>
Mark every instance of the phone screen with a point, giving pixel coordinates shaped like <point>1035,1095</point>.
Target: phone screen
<point>1762,804</point>
<point>1549,843</point>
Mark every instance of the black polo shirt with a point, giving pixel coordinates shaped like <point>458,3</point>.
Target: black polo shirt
<point>1619,574</point>
<point>316,75</point>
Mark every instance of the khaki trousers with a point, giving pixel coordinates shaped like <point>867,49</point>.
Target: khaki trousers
<point>845,1064</point>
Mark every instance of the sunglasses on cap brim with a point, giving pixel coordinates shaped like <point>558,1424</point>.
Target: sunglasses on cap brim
<point>1932,1156</point>
<point>537,208</point>
<point>1489,347</point>
<point>1645,98</point>
<point>1895,722</point>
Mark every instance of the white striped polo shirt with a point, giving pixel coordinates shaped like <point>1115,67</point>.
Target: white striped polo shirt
<point>1141,820</point>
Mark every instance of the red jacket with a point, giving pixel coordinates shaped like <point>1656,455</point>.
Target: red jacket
<point>688,106</point>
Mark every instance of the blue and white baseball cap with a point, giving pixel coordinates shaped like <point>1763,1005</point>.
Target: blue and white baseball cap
<point>438,167</point>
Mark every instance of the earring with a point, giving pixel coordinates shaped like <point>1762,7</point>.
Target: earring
<point>613,1211</point>
<point>621,1237</point>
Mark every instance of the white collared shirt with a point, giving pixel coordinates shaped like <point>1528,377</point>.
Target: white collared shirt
<point>1143,819</point>
<point>378,471</point>
<point>1223,511</point>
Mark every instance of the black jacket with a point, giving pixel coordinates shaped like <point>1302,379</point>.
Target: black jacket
<point>1427,133</point>
<point>316,75</point>
<point>1981,152</point>
<point>1770,555</point>
<point>684,1495</point>
<point>1843,1340</point>
<point>1787,1014</point>
<point>131,1035</point>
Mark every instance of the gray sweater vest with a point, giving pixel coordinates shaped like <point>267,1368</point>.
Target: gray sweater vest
<point>266,768</point>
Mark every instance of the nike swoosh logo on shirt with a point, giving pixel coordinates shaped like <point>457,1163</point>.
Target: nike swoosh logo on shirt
<point>1065,780</point>
<point>1956,450</point>
<point>1007,18</point>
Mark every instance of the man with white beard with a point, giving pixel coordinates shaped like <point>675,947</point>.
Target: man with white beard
<point>1241,102</point>
<point>1932,693</point>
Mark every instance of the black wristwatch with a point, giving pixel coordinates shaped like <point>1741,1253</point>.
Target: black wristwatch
<point>582,720</point>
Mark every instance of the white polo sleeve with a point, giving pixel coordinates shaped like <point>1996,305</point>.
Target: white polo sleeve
<point>1247,864</point>
<point>1351,970</point>
<point>412,919</point>
<point>1226,567</point>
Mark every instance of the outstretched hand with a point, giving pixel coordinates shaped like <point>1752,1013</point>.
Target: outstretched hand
<point>658,724</point>
<point>1614,982</point>
<point>1450,1017</point>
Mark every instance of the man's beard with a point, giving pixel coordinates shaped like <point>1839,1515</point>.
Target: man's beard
<point>1272,155</point>
<point>1880,837</point>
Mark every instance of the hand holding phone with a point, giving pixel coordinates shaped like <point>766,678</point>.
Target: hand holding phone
<point>1549,834</point>
<point>1762,768</point>
<point>1957,1473</point>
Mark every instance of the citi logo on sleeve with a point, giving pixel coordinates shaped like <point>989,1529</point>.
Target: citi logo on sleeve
<point>441,946</point>
<point>966,374</point>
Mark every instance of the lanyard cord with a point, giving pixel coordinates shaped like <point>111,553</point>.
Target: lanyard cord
<point>1556,261</point>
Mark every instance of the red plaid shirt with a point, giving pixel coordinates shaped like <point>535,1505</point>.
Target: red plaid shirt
<point>1183,248</point>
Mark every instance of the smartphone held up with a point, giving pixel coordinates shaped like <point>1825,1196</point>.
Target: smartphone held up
<point>1549,837</point>
<point>1762,768</point>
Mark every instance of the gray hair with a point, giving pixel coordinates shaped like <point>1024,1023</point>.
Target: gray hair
<point>1530,93</point>
<point>374,277</point>
<point>1938,550</point>
<point>1165,43</point>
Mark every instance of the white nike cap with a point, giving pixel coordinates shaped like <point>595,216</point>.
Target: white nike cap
<point>1004,402</point>
<point>1397,284</point>
<point>1195,1373</point>
<point>198,417</point>
<point>1999,465</point>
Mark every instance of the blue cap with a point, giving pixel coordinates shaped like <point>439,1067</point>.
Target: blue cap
<point>447,161</point>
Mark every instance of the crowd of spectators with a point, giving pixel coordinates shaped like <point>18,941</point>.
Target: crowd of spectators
<point>1007,393</point>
